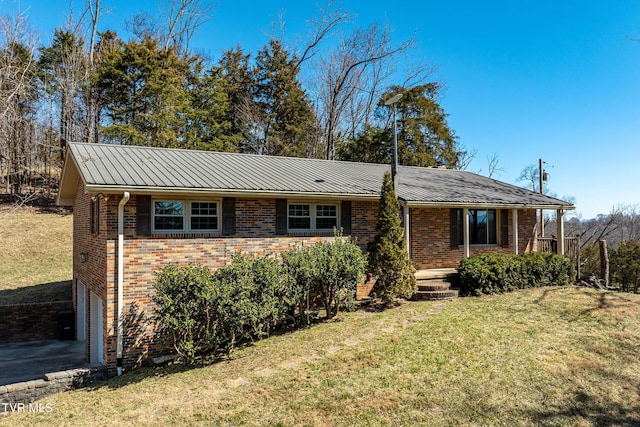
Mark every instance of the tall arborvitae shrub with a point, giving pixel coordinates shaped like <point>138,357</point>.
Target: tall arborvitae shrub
<point>388,257</point>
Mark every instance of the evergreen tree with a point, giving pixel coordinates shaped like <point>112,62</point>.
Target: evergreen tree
<point>62,70</point>
<point>206,120</point>
<point>287,118</point>
<point>237,83</point>
<point>388,257</point>
<point>142,93</point>
<point>424,136</point>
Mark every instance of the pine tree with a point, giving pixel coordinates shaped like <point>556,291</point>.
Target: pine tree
<point>388,258</point>
<point>288,120</point>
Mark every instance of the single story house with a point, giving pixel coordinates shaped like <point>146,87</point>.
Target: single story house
<point>137,209</point>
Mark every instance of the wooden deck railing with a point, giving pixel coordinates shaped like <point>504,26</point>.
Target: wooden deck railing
<point>571,247</point>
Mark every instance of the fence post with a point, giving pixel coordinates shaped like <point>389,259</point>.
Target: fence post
<point>604,261</point>
<point>577,243</point>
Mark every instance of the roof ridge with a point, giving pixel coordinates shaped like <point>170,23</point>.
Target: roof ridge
<point>188,150</point>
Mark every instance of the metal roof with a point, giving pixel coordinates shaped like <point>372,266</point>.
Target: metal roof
<point>115,168</point>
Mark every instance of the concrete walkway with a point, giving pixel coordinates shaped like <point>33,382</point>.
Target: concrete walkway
<point>30,360</point>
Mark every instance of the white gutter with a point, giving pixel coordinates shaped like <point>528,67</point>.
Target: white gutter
<point>125,199</point>
<point>486,205</point>
<point>167,191</point>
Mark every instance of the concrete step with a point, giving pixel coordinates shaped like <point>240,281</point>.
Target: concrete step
<point>433,285</point>
<point>436,273</point>
<point>435,295</point>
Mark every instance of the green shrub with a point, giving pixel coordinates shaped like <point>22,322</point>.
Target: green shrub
<point>497,273</point>
<point>298,264</point>
<point>183,307</point>
<point>388,257</point>
<point>197,312</point>
<point>625,266</point>
<point>590,260</point>
<point>328,269</point>
<point>340,267</point>
<point>248,298</point>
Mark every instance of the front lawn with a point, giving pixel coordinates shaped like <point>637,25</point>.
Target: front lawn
<point>546,356</point>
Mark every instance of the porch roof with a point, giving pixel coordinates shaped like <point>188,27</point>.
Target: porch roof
<point>105,168</point>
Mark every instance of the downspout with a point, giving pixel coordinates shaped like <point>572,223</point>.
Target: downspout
<point>125,199</point>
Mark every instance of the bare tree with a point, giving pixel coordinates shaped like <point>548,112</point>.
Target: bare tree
<point>17,101</point>
<point>494,165</point>
<point>350,79</point>
<point>181,19</point>
<point>465,158</point>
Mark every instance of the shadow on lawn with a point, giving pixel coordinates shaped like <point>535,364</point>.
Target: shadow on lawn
<point>140,334</point>
<point>595,408</point>
<point>45,292</point>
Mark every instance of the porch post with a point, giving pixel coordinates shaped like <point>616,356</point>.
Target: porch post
<point>515,231</point>
<point>407,229</point>
<point>465,231</point>
<point>560,223</point>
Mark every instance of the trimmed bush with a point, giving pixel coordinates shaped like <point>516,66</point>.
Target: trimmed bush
<point>184,303</point>
<point>328,269</point>
<point>248,298</point>
<point>497,273</point>
<point>198,313</point>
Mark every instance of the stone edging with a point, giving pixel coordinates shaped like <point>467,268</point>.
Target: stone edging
<point>54,382</point>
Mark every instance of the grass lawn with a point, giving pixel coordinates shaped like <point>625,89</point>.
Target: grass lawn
<point>37,251</point>
<point>554,356</point>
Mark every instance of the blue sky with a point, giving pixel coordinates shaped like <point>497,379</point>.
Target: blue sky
<point>556,80</point>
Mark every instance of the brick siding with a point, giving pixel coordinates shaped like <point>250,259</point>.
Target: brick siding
<point>431,238</point>
<point>255,233</point>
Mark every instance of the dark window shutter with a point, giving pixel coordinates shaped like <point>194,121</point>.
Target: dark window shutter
<point>143,215</point>
<point>345,217</point>
<point>504,227</point>
<point>228,216</point>
<point>453,220</point>
<point>281,216</point>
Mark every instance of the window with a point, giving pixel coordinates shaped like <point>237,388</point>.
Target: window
<point>95,215</point>
<point>299,217</point>
<point>483,228</point>
<point>176,215</point>
<point>312,217</point>
<point>204,215</point>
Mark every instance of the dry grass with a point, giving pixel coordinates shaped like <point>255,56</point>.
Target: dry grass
<point>37,255</point>
<point>555,356</point>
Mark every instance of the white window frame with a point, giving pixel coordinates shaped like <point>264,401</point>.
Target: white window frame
<point>186,216</point>
<point>313,216</point>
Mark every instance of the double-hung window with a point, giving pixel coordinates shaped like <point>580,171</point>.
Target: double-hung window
<point>483,227</point>
<point>185,216</point>
<point>312,217</point>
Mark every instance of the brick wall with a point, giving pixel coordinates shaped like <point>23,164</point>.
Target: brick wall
<point>364,217</point>
<point>431,238</point>
<point>29,322</point>
<point>255,234</point>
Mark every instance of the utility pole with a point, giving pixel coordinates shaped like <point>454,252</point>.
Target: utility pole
<point>541,173</point>
<point>394,162</point>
